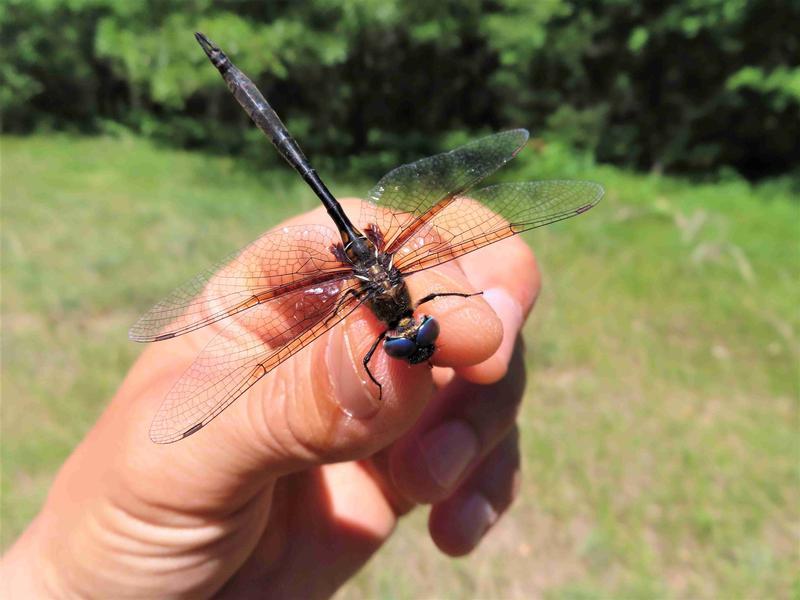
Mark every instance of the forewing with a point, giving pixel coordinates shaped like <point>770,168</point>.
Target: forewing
<point>404,198</point>
<point>277,263</point>
<point>491,214</point>
<point>253,344</point>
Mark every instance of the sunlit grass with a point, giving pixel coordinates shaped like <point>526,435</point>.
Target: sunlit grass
<point>661,428</point>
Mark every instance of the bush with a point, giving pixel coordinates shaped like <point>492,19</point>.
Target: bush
<point>688,86</point>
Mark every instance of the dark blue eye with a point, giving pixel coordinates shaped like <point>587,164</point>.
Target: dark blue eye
<point>399,347</point>
<point>428,332</point>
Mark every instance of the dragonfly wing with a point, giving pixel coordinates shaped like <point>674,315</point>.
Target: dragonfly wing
<point>491,214</point>
<point>277,263</point>
<point>254,343</point>
<point>404,197</point>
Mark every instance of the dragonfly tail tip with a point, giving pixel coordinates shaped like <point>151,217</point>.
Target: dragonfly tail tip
<point>207,45</point>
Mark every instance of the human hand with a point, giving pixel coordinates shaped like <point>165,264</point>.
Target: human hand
<point>284,494</point>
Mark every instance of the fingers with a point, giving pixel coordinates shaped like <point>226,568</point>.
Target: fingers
<point>508,274</point>
<point>464,458</point>
<point>452,438</point>
<point>459,523</point>
<point>470,331</point>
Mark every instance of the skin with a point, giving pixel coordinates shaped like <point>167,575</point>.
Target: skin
<point>284,494</point>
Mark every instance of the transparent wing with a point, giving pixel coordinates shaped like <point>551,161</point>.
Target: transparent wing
<point>254,343</point>
<point>402,201</point>
<point>491,214</point>
<point>277,263</point>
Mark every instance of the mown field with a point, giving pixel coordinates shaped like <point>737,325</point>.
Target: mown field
<point>661,430</point>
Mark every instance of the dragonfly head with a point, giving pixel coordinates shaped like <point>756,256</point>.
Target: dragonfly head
<point>414,341</point>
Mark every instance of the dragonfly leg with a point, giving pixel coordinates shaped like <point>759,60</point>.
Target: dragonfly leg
<point>374,235</point>
<point>433,296</point>
<point>338,252</point>
<point>368,357</point>
<point>351,292</point>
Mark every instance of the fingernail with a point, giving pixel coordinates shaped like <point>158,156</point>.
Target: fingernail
<point>510,314</point>
<point>351,391</point>
<point>475,517</point>
<point>448,450</point>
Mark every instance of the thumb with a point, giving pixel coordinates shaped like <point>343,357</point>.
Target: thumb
<point>319,406</point>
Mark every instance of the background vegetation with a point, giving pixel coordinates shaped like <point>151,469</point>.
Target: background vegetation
<point>690,85</point>
<point>661,429</point>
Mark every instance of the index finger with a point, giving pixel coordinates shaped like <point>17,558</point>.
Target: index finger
<point>509,276</point>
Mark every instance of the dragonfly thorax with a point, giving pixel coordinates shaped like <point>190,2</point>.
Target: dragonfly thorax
<point>386,290</point>
<point>387,296</point>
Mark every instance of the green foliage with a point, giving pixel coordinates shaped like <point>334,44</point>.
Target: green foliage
<point>678,85</point>
<point>781,86</point>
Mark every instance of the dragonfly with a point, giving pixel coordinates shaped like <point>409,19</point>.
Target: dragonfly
<point>280,293</point>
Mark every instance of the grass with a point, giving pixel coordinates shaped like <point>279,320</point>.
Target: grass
<point>661,431</point>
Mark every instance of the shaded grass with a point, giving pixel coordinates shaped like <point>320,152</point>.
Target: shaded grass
<point>660,431</point>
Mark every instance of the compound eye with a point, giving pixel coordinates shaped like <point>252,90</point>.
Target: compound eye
<point>428,332</point>
<point>399,347</point>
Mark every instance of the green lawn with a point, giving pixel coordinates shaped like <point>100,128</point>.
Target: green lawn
<point>661,431</point>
